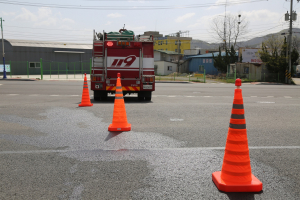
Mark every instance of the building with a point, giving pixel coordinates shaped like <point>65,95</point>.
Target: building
<point>155,34</point>
<point>176,44</point>
<point>25,56</point>
<point>198,63</point>
<point>165,62</point>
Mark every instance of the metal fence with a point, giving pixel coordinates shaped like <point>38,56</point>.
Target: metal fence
<point>184,77</point>
<point>52,69</point>
<point>263,77</point>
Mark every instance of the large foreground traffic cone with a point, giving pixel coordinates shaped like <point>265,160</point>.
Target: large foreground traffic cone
<point>236,175</point>
<point>85,100</point>
<point>119,122</point>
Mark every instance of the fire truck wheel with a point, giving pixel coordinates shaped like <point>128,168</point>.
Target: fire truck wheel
<point>148,96</point>
<point>141,96</point>
<point>103,95</point>
<point>97,95</point>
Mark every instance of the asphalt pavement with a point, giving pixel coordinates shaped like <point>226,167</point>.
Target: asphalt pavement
<point>52,149</point>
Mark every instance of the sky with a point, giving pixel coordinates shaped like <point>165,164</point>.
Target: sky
<point>74,21</point>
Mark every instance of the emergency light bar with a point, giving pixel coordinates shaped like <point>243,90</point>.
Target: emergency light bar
<point>122,43</point>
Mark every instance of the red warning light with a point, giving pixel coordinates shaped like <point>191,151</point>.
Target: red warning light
<point>110,44</point>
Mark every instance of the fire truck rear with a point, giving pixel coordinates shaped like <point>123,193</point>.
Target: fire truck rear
<point>122,52</point>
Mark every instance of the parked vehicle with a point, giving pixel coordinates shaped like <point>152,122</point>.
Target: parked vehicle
<point>122,52</point>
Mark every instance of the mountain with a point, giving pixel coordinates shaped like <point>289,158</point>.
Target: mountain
<point>252,43</point>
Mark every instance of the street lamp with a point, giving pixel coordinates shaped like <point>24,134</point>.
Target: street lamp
<point>4,70</point>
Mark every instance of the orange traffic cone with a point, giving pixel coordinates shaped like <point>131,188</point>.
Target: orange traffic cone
<point>119,122</point>
<point>236,175</point>
<point>85,100</point>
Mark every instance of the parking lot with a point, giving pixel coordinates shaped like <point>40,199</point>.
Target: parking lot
<point>52,149</point>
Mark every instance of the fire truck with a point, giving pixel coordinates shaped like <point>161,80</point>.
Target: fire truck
<point>131,56</point>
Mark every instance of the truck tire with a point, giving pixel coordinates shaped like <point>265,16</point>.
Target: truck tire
<point>148,96</point>
<point>141,96</point>
<point>97,95</point>
<point>103,95</point>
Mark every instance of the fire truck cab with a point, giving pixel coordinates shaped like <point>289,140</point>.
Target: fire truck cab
<point>131,56</point>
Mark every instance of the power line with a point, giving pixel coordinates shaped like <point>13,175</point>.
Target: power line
<point>88,35</point>
<point>125,7</point>
<point>47,28</point>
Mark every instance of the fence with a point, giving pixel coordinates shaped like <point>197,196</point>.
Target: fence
<point>53,69</point>
<point>198,77</point>
<point>263,77</point>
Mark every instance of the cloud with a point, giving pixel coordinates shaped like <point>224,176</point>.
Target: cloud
<point>263,16</point>
<point>184,17</point>
<point>43,17</point>
<point>139,1</point>
<point>8,13</point>
<point>136,28</point>
<point>115,15</point>
<point>26,15</point>
<point>69,21</point>
<point>108,23</point>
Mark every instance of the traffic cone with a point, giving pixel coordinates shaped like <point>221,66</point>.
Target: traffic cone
<point>236,175</point>
<point>119,122</point>
<point>85,100</point>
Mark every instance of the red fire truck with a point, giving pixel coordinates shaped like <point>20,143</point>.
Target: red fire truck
<point>122,52</point>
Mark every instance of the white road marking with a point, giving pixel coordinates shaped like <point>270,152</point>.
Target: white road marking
<point>189,96</point>
<point>54,95</point>
<point>288,97</point>
<point>265,102</point>
<point>171,96</point>
<point>207,96</point>
<point>13,94</point>
<point>270,96</point>
<point>73,95</point>
<point>176,120</point>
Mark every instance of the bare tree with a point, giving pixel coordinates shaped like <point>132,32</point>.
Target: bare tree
<point>296,43</point>
<point>274,43</point>
<point>229,29</point>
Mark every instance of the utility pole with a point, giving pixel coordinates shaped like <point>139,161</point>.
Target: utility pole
<point>290,40</point>
<point>4,70</point>
<point>178,35</point>
<point>225,45</point>
<point>292,17</point>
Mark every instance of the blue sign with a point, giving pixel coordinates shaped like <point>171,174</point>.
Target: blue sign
<point>7,68</point>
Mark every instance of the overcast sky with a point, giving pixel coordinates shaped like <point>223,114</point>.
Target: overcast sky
<point>74,21</point>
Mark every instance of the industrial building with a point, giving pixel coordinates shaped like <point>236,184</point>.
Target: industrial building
<point>198,63</point>
<point>25,57</point>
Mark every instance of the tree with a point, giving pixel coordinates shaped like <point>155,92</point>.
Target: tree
<point>221,62</point>
<point>274,54</point>
<point>229,29</point>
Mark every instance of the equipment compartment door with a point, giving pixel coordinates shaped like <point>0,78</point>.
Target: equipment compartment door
<point>124,61</point>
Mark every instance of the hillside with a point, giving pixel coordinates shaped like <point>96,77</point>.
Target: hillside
<point>252,43</point>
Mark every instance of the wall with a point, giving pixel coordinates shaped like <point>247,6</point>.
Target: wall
<point>157,56</point>
<point>206,62</point>
<point>254,71</point>
<point>20,58</point>
<point>162,67</point>
<point>170,44</point>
